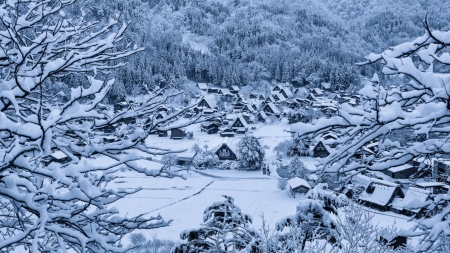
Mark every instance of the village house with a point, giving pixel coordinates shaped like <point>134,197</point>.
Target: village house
<point>268,100</point>
<point>278,97</point>
<point>377,193</point>
<point>298,186</point>
<point>277,87</point>
<point>225,92</point>
<point>262,116</point>
<point>177,133</point>
<point>202,86</point>
<point>239,125</point>
<point>412,195</point>
<point>248,108</point>
<point>206,103</point>
<point>185,158</point>
<point>326,86</point>
<point>321,150</point>
<point>285,92</point>
<point>316,92</point>
<point>234,89</point>
<point>401,172</point>
<point>392,239</point>
<point>209,127</point>
<point>433,187</point>
<point>271,109</point>
<point>213,90</point>
<point>225,151</point>
<point>227,133</point>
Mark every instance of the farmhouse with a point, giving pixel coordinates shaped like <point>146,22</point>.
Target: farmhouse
<point>271,109</point>
<point>278,97</point>
<point>206,103</point>
<point>225,92</point>
<point>239,125</point>
<point>401,172</point>
<point>234,89</point>
<point>227,133</point>
<point>379,194</point>
<point>209,127</point>
<point>185,158</point>
<point>177,133</point>
<point>262,116</point>
<point>433,187</point>
<point>412,197</point>
<point>285,92</point>
<point>277,88</point>
<point>298,186</point>
<point>321,150</point>
<point>224,151</point>
<point>202,86</point>
<point>316,92</point>
<point>394,240</point>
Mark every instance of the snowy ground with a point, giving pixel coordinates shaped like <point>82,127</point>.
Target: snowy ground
<point>183,201</point>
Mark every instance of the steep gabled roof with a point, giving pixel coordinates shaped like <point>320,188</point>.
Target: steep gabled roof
<point>273,108</point>
<point>298,182</point>
<point>202,86</point>
<point>240,118</point>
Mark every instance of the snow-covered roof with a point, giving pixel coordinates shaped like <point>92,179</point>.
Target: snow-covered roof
<point>326,85</point>
<point>279,95</point>
<point>429,184</point>
<point>361,180</point>
<point>414,197</point>
<point>287,91</point>
<point>381,195</point>
<point>263,114</point>
<point>225,91</point>
<point>228,142</point>
<point>243,121</point>
<point>297,182</point>
<point>202,86</point>
<point>235,87</point>
<point>273,108</point>
<point>318,91</point>
<point>400,168</point>
<point>210,101</point>
<point>59,154</point>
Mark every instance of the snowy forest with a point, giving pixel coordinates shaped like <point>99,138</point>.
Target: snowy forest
<point>190,126</point>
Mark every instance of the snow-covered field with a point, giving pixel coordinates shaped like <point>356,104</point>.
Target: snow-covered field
<point>184,200</point>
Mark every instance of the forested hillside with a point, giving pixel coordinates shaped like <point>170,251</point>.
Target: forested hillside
<point>250,42</point>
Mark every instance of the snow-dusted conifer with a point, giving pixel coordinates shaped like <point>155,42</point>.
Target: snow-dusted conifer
<point>250,153</point>
<point>225,229</point>
<point>296,168</point>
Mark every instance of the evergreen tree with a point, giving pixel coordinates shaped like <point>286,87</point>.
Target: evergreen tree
<point>225,229</point>
<point>297,169</point>
<point>250,153</point>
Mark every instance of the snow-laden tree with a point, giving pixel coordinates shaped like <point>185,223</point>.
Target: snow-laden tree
<point>225,229</point>
<point>296,168</point>
<point>311,222</point>
<point>64,205</point>
<point>250,153</point>
<point>421,105</point>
